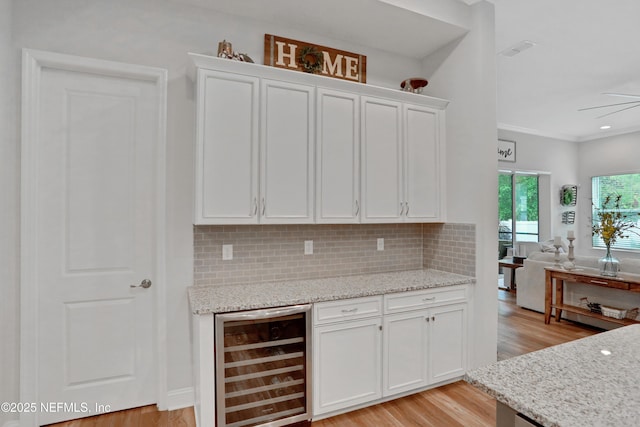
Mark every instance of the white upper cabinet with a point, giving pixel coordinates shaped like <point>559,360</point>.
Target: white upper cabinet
<point>402,162</point>
<point>382,198</point>
<point>286,151</point>
<point>337,157</point>
<point>276,146</point>
<point>423,159</point>
<point>227,149</point>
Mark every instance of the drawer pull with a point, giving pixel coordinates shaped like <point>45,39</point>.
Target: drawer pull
<point>429,299</point>
<point>599,282</point>
<point>353,310</point>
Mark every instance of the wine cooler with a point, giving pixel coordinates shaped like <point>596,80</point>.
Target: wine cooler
<point>263,367</point>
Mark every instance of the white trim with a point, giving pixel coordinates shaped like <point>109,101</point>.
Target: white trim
<point>180,398</point>
<point>32,63</point>
<point>12,423</point>
<point>608,133</point>
<point>564,137</point>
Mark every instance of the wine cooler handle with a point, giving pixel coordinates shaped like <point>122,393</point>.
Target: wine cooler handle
<point>266,313</point>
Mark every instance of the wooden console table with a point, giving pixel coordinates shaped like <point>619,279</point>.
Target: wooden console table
<point>589,276</point>
<point>509,263</point>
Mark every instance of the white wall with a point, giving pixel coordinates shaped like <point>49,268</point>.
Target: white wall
<point>464,72</point>
<point>9,179</point>
<point>607,156</point>
<point>160,33</point>
<point>557,160</point>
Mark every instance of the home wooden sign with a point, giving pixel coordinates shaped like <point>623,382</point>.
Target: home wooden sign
<point>311,58</point>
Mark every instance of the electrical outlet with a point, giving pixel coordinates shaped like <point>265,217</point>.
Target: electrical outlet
<point>227,252</point>
<point>308,247</point>
<point>381,244</point>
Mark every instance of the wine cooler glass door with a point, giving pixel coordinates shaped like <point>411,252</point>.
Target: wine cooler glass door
<point>263,367</point>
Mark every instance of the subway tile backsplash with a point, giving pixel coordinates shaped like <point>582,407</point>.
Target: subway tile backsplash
<point>265,253</point>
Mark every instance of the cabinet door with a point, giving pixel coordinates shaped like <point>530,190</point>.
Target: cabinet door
<point>347,364</point>
<point>337,157</point>
<point>448,342</point>
<point>287,141</point>
<point>381,160</point>
<point>405,352</point>
<point>423,163</point>
<point>226,149</point>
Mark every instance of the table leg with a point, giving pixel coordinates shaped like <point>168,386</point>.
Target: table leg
<point>513,279</point>
<point>547,297</point>
<point>559,298</point>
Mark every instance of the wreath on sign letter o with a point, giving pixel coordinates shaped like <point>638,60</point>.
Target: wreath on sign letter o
<point>310,59</point>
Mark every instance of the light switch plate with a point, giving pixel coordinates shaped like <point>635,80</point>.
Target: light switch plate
<point>227,252</point>
<point>308,247</point>
<point>381,244</point>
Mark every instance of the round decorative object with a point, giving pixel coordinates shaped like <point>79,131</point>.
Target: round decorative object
<point>310,59</point>
<point>414,84</point>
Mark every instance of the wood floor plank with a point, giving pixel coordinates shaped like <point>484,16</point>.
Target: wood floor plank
<point>520,331</point>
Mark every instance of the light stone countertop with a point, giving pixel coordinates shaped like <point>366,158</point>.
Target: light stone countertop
<point>227,298</point>
<point>572,384</point>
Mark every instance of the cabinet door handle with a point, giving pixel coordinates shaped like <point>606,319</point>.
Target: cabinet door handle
<point>599,282</point>
<point>433,318</point>
<point>407,205</point>
<point>427,318</point>
<point>401,208</point>
<point>357,208</point>
<point>255,206</point>
<point>264,206</point>
<point>353,310</point>
<point>428,299</point>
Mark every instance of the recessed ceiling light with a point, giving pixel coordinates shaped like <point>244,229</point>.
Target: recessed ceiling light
<point>517,48</point>
<point>605,127</point>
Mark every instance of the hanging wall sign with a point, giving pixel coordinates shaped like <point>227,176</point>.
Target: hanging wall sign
<point>312,58</point>
<point>506,150</point>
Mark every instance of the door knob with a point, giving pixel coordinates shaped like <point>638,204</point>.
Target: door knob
<point>146,283</point>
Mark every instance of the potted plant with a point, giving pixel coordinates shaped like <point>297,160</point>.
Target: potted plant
<point>612,224</point>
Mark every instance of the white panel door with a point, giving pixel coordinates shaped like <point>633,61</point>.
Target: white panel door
<point>405,352</point>
<point>346,364</point>
<point>448,342</point>
<point>227,149</point>
<point>422,164</point>
<point>381,160</point>
<point>286,150</point>
<point>94,189</point>
<point>337,157</point>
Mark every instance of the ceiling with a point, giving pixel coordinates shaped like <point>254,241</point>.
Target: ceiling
<point>582,49</point>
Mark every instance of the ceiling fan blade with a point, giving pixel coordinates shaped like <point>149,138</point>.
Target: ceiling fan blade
<point>617,111</point>
<point>609,105</point>
<point>624,95</point>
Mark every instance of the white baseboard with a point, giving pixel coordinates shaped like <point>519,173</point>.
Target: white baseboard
<point>180,398</point>
<point>12,423</point>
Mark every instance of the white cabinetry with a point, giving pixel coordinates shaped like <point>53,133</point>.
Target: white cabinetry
<point>286,153</point>
<point>424,338</point>
<point>337,157</point>
<point>347,362</point>
<point>402,159</point>
<point>227,148</point>
<point>363,353</point>
<point>276,146</point>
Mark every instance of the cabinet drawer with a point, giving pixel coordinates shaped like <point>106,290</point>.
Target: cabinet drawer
<point>348,309</point>
<point>403,301</point>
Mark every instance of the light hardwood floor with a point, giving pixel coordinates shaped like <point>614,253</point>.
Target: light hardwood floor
<point>520,331</point>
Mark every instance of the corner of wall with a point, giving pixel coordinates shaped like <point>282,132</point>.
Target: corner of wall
<point>450,247</point>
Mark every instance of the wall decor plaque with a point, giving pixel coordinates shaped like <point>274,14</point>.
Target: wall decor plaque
<point>307,57</point>
<point>506,150</point>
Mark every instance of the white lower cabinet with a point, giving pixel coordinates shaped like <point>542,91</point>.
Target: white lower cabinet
<point>347,362</point>
<point>362,354</point>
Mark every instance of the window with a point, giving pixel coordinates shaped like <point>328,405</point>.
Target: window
<point>628,187</point>
<point>517,209</point>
